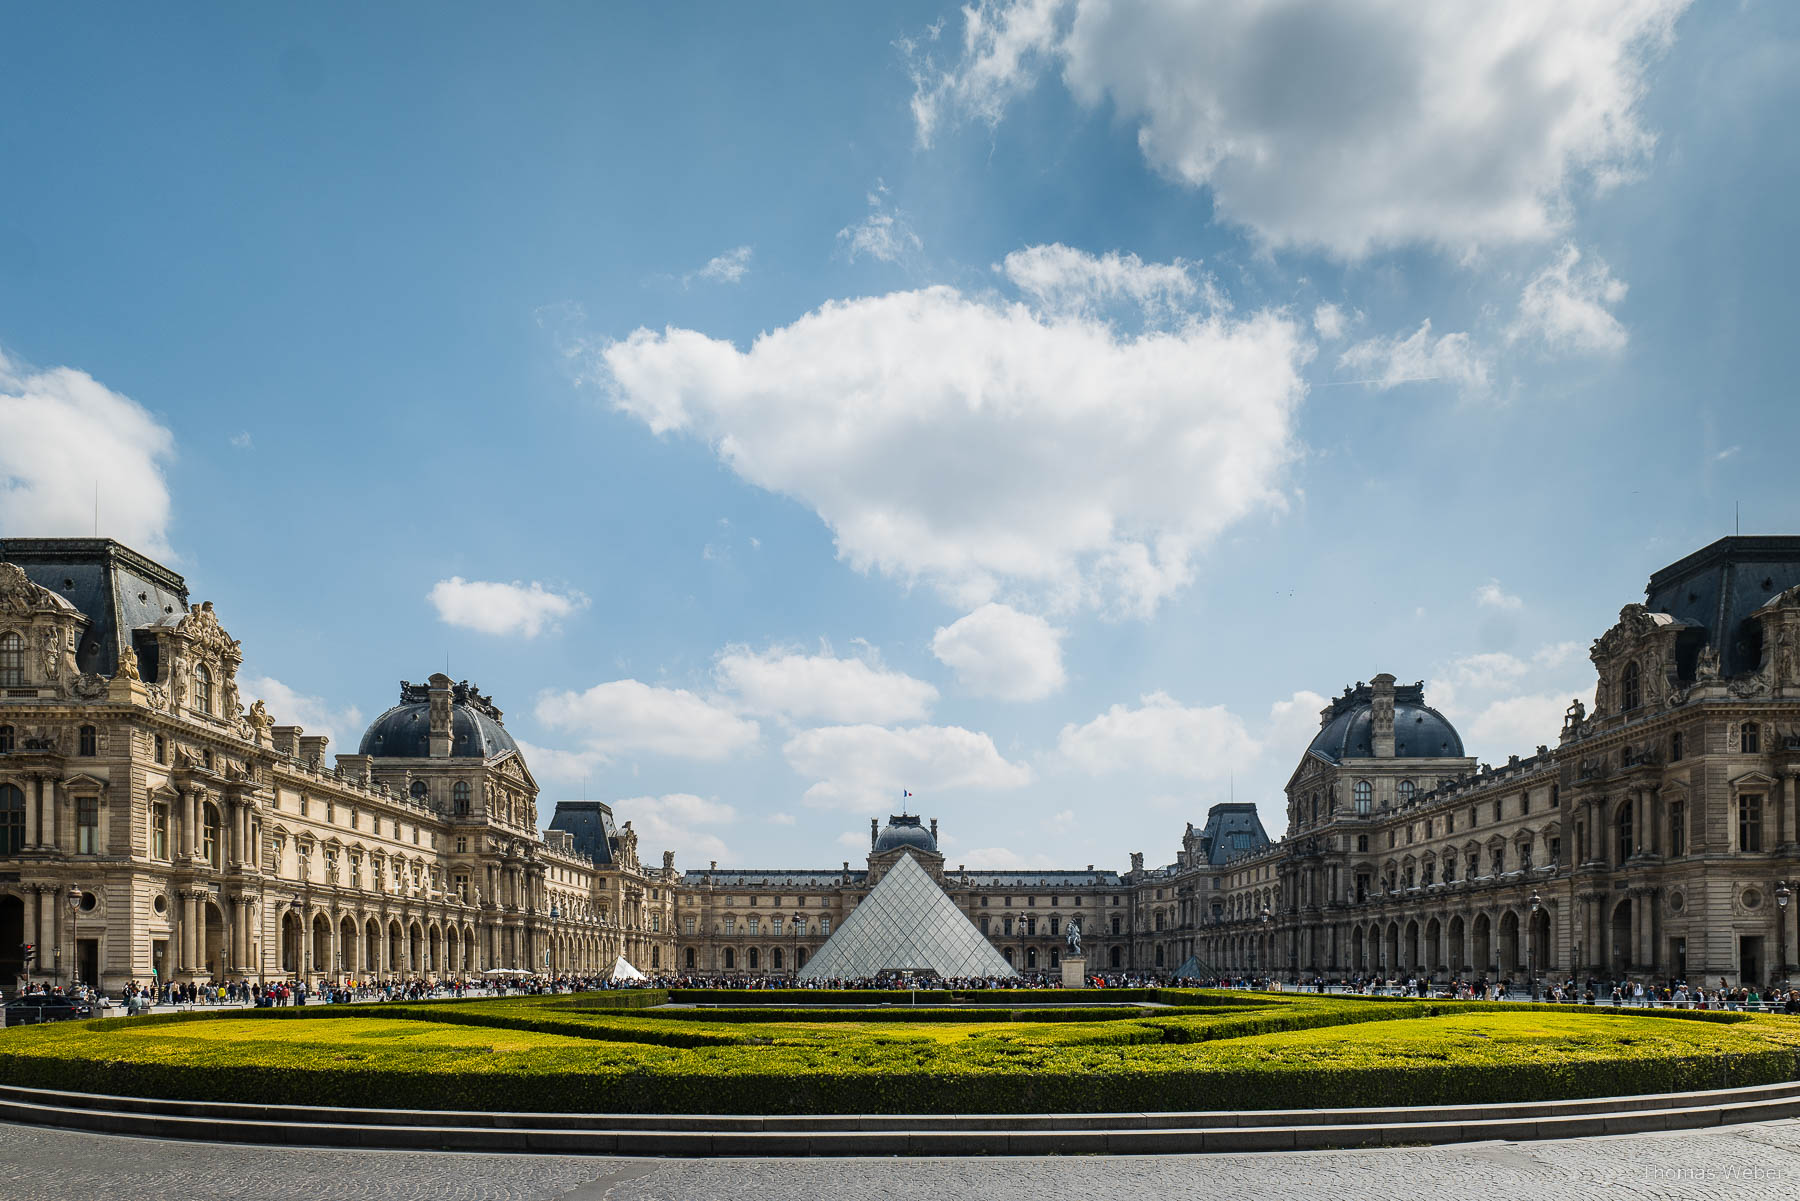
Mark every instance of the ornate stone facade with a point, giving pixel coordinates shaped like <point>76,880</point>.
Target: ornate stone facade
<point>152,828</point>
<point>201,840</point>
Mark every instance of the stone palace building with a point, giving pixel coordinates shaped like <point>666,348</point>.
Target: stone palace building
<point>152,826</point>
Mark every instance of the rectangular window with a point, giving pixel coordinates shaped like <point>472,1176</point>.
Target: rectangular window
<point>87,825</point>
<point>1524,803</point>
<point>89,744</point>
<point>687,927</point>
<point>162,749</point>
<point>159,831</point>
<point>755,926</point>
<point>1750,822</point>
<point>775,926</point>
<point>1678,828</point>
<point>824,926</point>
<point>731,925</point>
<point>1556,850</point>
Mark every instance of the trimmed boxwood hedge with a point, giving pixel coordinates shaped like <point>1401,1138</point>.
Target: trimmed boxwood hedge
<point>789,997</point>
<point>1167,1061</point>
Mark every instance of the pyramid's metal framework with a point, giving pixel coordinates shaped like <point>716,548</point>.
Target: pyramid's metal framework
<point>906,923</point>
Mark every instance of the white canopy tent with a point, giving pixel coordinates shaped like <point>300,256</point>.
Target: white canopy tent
<point>624,972</point>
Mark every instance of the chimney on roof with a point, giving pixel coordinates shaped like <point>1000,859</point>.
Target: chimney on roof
<point>1381,715</point>
<point>439,694</point>
<point>287,740</point>
<point>934,829</point>
<point>872,828</point>
<point>312,751</point>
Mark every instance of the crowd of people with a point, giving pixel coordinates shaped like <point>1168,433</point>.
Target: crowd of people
<point>1674,994</point>
<point>137,997</point>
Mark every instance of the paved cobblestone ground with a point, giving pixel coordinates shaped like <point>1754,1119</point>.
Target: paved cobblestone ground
<point>41,1165</point>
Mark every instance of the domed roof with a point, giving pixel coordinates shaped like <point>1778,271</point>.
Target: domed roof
<point>904,830</point>
<point>404,732</point>
<point>1420,732</point>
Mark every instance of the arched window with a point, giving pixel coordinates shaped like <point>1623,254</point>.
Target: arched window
<point>12,820</point>
<point>1750,738</point>
<point>1113,958</point>
<point>420,790</point>
<point>1406,791</point>
<point>209,835</point>
<point>730,958</point>
<point>655,956</point>
<point>460,795</point>
<point>1364,795</point>
<point>89,744</point>
<point>7,745</point>
<point>1631,693</point>
<point>12,660</point>
<point>690,958</point>
<point>203,698</point>
<point>1626,845</point>
<point>775,959</point>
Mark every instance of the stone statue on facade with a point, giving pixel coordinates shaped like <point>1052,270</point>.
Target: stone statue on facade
<point>1074,936</point>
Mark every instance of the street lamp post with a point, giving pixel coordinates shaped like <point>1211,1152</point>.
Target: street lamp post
<point>1783,894</point>
<point>1267,917</point>
<point>1537,903</point>
<point>74,908</point>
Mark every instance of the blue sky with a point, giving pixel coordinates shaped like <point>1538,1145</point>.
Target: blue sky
<point>1032,406</point>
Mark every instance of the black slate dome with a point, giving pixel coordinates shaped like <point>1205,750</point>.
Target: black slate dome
<point>1420,732</point>
<point>404,732</point>
<point>905,830</point>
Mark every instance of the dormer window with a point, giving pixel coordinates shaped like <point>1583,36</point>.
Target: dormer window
<point>12,660</point>
<point>460,795</point>
<point>203,690</point>
<point>1406,792</point>
<point>1630,688</point>
<point>1750,738</point>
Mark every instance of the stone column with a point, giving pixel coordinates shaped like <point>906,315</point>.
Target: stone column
<point>46,921</point>
<point>47,802</point>
<point>190,921</point>
<point>34,793</point>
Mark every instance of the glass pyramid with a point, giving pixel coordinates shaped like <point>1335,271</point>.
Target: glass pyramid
<point>907,923</point>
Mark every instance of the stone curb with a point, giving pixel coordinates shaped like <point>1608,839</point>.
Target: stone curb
<point>695,1135</point>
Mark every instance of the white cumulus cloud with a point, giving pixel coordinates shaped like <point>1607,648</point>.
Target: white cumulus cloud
<point>884,234</point>
<point>1000,652</point>
<point>679,822</point>
<point>1063,280</point>
<point>1162,736</point>
<point>728,268</point>
<point>1419,358</point>
<point>1566,306</point>
<point>796,685</point>
<point>343,724</point>
<point>1491,596</point>
<point>490,607</point>
<point>1347,124</point>
<point>863,766</point>
<point>70,439</point>
<point>624,716</point>
<point>972,443</point>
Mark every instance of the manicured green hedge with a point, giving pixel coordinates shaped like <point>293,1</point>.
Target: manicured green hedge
<point>744,997</point>
<point>1067,1013</point>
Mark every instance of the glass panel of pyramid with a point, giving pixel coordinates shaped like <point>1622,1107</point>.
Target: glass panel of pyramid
<point>907,923</point>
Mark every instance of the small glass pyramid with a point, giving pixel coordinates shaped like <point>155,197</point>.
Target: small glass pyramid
<point>906,924</point>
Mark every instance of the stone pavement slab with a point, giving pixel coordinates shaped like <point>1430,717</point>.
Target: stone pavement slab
<point>57,1165</point>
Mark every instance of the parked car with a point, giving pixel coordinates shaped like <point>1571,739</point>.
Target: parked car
<point>30,1010</point>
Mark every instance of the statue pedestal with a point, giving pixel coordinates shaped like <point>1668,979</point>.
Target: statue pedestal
<point>1074,970</point>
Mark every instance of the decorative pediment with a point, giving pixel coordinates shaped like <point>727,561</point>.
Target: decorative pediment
<point>201,627</point>
<point>84,780</point>
<point>1753,780</point>
<point>18,594</point>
